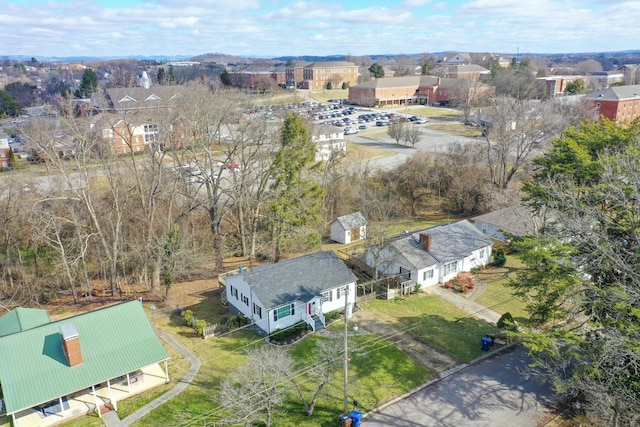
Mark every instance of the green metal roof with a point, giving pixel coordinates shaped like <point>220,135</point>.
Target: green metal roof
<point>20,319</point>
<point>114,341</point>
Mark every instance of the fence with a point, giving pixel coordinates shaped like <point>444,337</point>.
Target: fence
<point>213,330</point>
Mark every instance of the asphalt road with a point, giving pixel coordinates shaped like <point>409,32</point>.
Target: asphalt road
<point>432,141</point>
<point>495,392</point>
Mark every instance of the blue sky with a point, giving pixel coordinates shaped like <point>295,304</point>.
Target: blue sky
<point>322,27</point>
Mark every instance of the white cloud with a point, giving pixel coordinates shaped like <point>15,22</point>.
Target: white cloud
<point>282,27</point>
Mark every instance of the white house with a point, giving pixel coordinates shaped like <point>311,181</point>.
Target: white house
<point>432,256</point>
<point>349,228</point>
<point>329,140</point>
<point>276,296</point>
<point>516,220</point>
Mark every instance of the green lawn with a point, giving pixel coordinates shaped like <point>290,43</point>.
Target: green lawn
<point>326,95</point>
<point>498,296</point>
<point>456,128</point>
<point>439,323</point>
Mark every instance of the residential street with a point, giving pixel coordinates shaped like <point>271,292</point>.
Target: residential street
<point>494,392</point>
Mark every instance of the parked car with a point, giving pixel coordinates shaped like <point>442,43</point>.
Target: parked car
<point>350,131</point>
<point>362,127</point>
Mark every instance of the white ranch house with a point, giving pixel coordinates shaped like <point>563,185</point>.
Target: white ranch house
<point>276,296</point>
<point>329,141</point>
<point>432,256</point>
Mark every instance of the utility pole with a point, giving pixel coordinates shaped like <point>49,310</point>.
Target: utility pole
<point>346,351</point>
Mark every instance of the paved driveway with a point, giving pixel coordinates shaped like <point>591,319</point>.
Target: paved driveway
<point>495,392</point>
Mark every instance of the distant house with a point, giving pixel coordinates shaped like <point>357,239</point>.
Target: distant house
<point>276,296</point>
<point>619,103</point>
<point>329,141</point>
<point>349,228</point>
<point>4,149</point>
<point>54,371</point>
<point>516,220</point>
<point>432,256</point>
<point>134,133</point>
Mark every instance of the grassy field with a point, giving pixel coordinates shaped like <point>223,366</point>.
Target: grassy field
<point>456,129</point>
<point>357,153</point>
<point>326,95</point>
<point>435,113</point>
<point>437,322</point>
<point>498,296</point>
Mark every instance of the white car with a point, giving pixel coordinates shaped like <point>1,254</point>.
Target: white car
<point>350,131</point>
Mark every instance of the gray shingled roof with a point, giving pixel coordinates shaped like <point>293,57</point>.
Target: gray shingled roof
<point>299,278</point>
<point>139,97</point>
<point>450,242</point>
<point>616,93</point>
<point>353,220</point>
<point>514,219</point>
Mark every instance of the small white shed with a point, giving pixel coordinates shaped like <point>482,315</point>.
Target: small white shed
<point>349,228</point>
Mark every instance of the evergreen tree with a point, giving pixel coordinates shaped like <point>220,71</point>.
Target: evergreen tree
<point>225,79</point>
<point>171,77</point>
<point>376,70</point>
<point>161,76</point>
<point>581,277</point>
<point>88,84</point>
<point>298,198</point>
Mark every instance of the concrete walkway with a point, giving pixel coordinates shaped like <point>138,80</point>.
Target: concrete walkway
<point>470,307</point>
<point>111,418</point>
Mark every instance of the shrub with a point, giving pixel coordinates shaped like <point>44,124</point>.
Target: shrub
<point>188,317</point>
<point>506,322</point>
<point>199,326</point>
<point>499,259</point>
<point>329,86</point>
<point>294,331</point>
<point>416,287</point>
<point>237,321</point>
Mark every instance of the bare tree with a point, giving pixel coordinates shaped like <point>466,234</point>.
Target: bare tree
<point>255,390</point>
<point>330,354</point>
<point>412,135</point>
<point>587,66</point>
<point>397,131</point>
<point>513,130</point>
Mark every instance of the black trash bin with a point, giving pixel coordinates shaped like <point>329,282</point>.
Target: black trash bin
<point>356,416</point>
<point>345,420</point>
<point>486,343</point>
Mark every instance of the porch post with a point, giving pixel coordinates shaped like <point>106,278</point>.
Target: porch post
<point>128,383</point>
<point>166,370</point>
<point>95,401</point>
<point>113,401</point>
<point>64,413</point>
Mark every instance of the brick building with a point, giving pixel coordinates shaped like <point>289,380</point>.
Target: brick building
<point>317,75</point>
<point>619,103</point>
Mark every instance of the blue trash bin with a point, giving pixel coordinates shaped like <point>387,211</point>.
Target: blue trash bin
<point>356,416</point>
<point>486,343</point>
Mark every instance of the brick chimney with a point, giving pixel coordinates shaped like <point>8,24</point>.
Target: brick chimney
<point>426,241</point>
<point>71,344</point>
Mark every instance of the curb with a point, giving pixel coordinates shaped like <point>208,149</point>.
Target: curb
<point>442,376</point>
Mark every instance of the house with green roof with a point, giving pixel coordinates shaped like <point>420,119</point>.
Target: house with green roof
<point>51,371</point>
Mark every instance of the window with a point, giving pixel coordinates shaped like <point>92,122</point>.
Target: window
<point>283,312</point>
<point>427,274</point>
<point>245,300</point>
<point>338,293</point>
<point>597,105</point>
<point>451,267</point>
<point>327,296</point>
<point>484,228</point>
<point>482,254</point>
<point>257,310</point>
<point>151,133</point>
<point>234,292</point>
